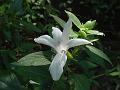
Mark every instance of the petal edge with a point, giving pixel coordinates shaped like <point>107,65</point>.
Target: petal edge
<point>56,67</point>
<point>77,42</point>
<point>45,39</point>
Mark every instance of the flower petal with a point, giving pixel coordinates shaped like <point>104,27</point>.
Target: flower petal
<point>77,42</point>
<point>56,67</point>
<point>45,39</point>
<point>56,33</point>
<point>66,31</point>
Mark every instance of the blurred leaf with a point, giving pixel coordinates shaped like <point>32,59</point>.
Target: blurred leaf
<point>116,73</point>
<point>2,9</point>
<point>12,54</point>
<point>60,85</point>
<point>17,38</point>
<point>94,32</point>
<point>7,35</point>
<point>99,53</point>
<point>94,40</point>
<point>29,27</point>
<point>27,46</point>
<point>8,81</point>
<point>74,19</point>
<point>81,82</point>
<point>16,7</point>
<point>82,34</point>
<point>87,64</point>
<point>58,20</point>
<point>90,24</point>
<point>73,34</point>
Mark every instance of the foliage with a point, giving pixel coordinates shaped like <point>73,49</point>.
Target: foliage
<point>22,20</point>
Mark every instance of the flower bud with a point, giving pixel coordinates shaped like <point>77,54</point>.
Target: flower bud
<point>82,34</point>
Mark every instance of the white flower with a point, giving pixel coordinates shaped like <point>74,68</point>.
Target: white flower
<point>61,43</point>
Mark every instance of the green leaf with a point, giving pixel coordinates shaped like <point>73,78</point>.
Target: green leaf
<point>58,20</point>
<point>8,81</point>
<point>98,52</point>
<point>90,24</point>
<point>95,59</point>
<point>35,59</point>
<point>17,38</point>
<point>74,19</point>
<point>7,35</point>
<point>87,64</point>
<point>34,67</point>
<point>27,46</point>
<point>116,73</point>
<point>81,82</point>
<point>94,32</point>
<point>3,8</point>
<point>16,7</point>
<point>60,85</point>
<point>29,27</point>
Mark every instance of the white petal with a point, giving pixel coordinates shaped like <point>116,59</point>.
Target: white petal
<point>56,33</point>
<point>77,42</point>
<point>66,31</point>
<point>56,67</point>
<point>45,39</point>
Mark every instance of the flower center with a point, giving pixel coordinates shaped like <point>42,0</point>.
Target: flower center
<point>63,51</point>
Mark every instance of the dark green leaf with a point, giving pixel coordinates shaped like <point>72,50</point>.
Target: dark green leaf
<point>87,64</point>
<point>29,27</point>
<point>81,82</point>
<point>7,35</point>
<point>8,81</point>
<point>96,59</point>
<point>60,85</point>
<point>27,46</point>
<point>34,66</point>
<point>16,7</point>
<point>98,52</point>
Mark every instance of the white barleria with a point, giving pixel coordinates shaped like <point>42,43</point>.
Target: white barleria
<point>61,43</point>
